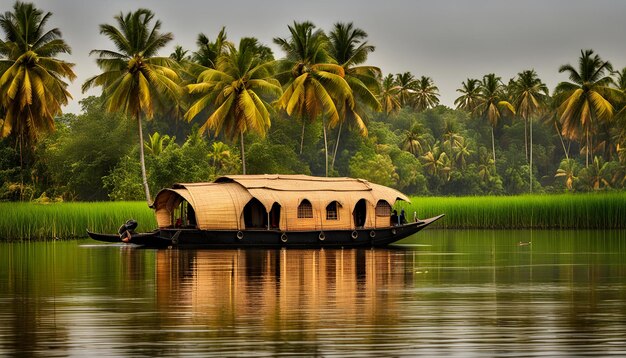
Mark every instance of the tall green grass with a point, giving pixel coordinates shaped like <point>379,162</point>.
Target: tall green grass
<point>563,211</point>
<point>29,221</point>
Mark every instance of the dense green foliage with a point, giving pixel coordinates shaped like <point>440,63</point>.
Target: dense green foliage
<point>320,110</point>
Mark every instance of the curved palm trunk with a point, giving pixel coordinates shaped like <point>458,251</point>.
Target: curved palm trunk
<point>302,136</point>
<point>142,160</point>
<point>587,149</point>
<point>332,164</point>
<point>325,145</point>
<point>20,140</point>
<point>493,148</point>
<point>530,158</point>
<point>562,142</point>
<point>526,136</point>
<point>243,154</point>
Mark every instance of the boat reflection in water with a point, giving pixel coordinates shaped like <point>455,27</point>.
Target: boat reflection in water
<point>272,289</point>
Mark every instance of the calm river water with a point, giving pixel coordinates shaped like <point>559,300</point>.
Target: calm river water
<point>440,293</point>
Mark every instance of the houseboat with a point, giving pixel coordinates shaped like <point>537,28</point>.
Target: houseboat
<point>274,211</point>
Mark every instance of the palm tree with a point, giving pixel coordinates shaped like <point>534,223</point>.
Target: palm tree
<point>486,166</point>
<point>585,101</point>
<point>157,143</point>
<point>180,54</point>
<point>313,85</point>
<point>426,94</point>
<point>31,78</point>
<point>568,170</point>
<point>620,79</point>
<point>462,152</point>
<point>436,162</point>
<point>598,175</point>
<point>529,99</point>
<point>219,156</point>
<point>237,88</point>
<point>450,132</point>
<point>134,80</point>
<point>405,83</point>
<point>470,97</point>
<point>210,51</point>
<point>491,105</point>
<point>349,49</point>
<point>415,140</point>
<point>389,95</point>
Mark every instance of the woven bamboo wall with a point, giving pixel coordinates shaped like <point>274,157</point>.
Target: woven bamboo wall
<point>220,205</point>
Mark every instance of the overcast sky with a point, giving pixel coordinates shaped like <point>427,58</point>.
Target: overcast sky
<point>446,40</point>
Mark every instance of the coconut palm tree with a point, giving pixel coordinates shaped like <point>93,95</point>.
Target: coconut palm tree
<point>598,175</point>
<point>470,97</point>
<point>486,167</point>
<point>157,143</point>
<point>238,88</point>
<point>462,152</point>
<point>492,106</point>
<point>180,54</point>
<point>313,85</point>
<point>32,79</point>
<point>389,95</point>
<point>348,48</point>
<point>210,51</point>
<point>436,162</point>
<point>426,94</point>
<point>405,84</point>
<point>451,133</point>
<point>620,79</point>
<point>415,140</point>
<point>568,170</point>
<point>585,101</point>
<point>530,97</point>
<point>134,80</point>
<point>219,156</point>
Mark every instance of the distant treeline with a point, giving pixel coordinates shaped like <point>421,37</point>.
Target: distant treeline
<point>318,108</point>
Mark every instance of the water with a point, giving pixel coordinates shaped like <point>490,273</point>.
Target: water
<point>440,293</point>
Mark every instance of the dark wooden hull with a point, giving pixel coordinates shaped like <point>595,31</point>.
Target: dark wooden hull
<point>194,238</point>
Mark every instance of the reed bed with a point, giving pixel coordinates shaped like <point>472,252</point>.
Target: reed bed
<point>29,221</point>
<point>563,211</point>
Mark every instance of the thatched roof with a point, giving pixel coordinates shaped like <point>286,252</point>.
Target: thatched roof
<point>219,205</point>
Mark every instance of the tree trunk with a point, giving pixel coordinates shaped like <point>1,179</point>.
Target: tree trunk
<point>325,145</point>
<point>493,148</point>
<point>526,136</point>
<point>142,160</point>
<point>587,149</point>
<point>562,142</point>
<point>530,158</point>
<point>302,136</point>
<point>20,136</point>
<point>243,155</point>
<point>332,165</point>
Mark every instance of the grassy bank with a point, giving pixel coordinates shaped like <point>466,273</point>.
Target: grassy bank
<point>582,211</point>
<point>69,220</point>
<point>566,211</point>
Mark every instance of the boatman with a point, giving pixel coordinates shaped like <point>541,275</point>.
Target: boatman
<point>394,218</point>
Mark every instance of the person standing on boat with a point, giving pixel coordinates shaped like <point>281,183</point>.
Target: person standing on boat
<point>394,218</point>
<point>402,217</point>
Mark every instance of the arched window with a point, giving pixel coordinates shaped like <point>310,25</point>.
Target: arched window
<point>332,211</point>
<point>383,208</point>
<point>305,210</point>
